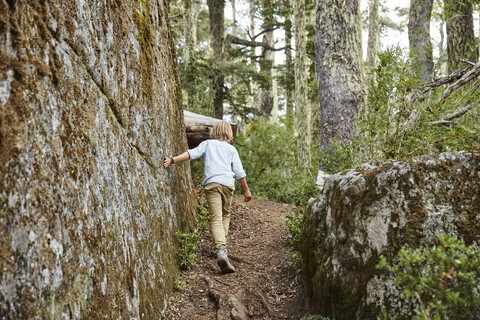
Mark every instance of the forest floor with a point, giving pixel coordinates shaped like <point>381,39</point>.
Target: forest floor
<point>265,285</point>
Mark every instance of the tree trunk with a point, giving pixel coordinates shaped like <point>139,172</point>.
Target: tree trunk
<point>289,83</point>
<point>251,31</point>
<point>190,34</point>
<point>338,52</point>
<point>216,13</point>
<point>373,35</point>
<point>419,37</point>
<point>234,18</point>
<point>302,112</point>
<point>460,35</point>
<point>314,106</point>
<point>266,93</point>
<point>190,27</point>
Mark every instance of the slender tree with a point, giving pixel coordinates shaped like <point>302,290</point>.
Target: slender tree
<point>216,13</point>
<point>460,35</point>
<point>313,104</point>
<point>190,36</point>
<point>302,112</point>
<point>234,17</point>
<point>266,92</point>
<point>338,56</point>
<point>289,67</point>
<point>419,37</point>
<point>266,65</point>
<point>373,34</point>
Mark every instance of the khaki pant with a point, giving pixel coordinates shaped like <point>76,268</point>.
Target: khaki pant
<point>219,200</point>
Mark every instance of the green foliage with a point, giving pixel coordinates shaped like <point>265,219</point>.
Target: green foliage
<point>445,280</point>
<point>391,126</point>
<point>178,285</point>
<point>188,246</point>
<point>294,225</point>
<point>203,217</point>
<point>269,155</point>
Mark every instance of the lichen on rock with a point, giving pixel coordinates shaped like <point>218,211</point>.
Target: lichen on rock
<point>89,104</point>
<point>376,209</point>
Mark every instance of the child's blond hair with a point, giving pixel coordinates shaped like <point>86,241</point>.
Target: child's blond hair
<point>222,131</point>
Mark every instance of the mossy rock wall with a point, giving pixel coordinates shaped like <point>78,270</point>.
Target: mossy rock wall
<point>374,210</point>
<point>90,101</point>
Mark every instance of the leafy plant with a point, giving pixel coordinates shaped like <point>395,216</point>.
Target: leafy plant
<point>444,280</point>
<point>294,224</point>
<point>188,246</point>
<point>203,217</point>
<point>178,285</point>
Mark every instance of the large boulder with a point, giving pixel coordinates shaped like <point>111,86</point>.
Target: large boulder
<point>377,209</point>
<point>89,103</point>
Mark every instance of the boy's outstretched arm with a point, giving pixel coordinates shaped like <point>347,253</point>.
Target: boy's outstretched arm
<point>167,161</point>
<point>246,192</point>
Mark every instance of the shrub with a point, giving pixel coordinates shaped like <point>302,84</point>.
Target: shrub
<point>188,246</point>
<point>444,280</point>
<point>294,224</point>
<point>269,155</point>
<point>203,217</point>
<point>391,124</point>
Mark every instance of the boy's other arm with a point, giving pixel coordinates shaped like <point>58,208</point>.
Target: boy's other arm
<point>246,192</point>
<point>167,162</point>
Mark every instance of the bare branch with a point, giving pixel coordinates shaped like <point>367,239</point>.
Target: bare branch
<point>265,31</point>
<point>440,82</point>
<point>458,113</point>
<point>181,14</point>
<point>469,62</point>
<point>442,122</point>
<point>447,119</point>
<point>475,72</point>
<point>236,40</point>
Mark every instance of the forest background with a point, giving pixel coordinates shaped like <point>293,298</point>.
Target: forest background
<point>388,70</point>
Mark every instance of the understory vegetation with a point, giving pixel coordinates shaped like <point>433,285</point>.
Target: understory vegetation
<point>269,154</point>
<point>444,280</point>
<point>187,247</point>
<point>402,118</point>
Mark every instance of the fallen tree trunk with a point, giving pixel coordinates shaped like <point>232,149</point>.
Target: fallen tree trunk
<point>198,128</point>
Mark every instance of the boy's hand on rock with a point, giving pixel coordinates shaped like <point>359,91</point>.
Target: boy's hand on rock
<point>247,196</point>
<point>167,162</point>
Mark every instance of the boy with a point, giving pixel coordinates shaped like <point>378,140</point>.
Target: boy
<point>220,157</point>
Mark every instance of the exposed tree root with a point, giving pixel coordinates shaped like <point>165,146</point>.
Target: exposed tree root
<point>265,303</point>
<point>225,299</point>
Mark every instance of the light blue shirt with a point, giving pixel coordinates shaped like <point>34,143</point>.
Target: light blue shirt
<point>220,158</point>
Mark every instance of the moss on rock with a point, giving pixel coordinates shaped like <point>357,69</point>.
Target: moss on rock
<point>374,210</point>
<point>87,213</point>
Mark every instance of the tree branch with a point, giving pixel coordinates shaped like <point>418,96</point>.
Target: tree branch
<point>265,31</point>
<point>447,119</point>
<point>440,82</point>
<point>235,40</point>
<point>475,72</point>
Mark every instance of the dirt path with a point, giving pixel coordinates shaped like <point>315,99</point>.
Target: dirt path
<point>265,284</point>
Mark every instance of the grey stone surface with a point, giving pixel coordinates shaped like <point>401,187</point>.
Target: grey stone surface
<point>89,103</point>
<point>376,209</point>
